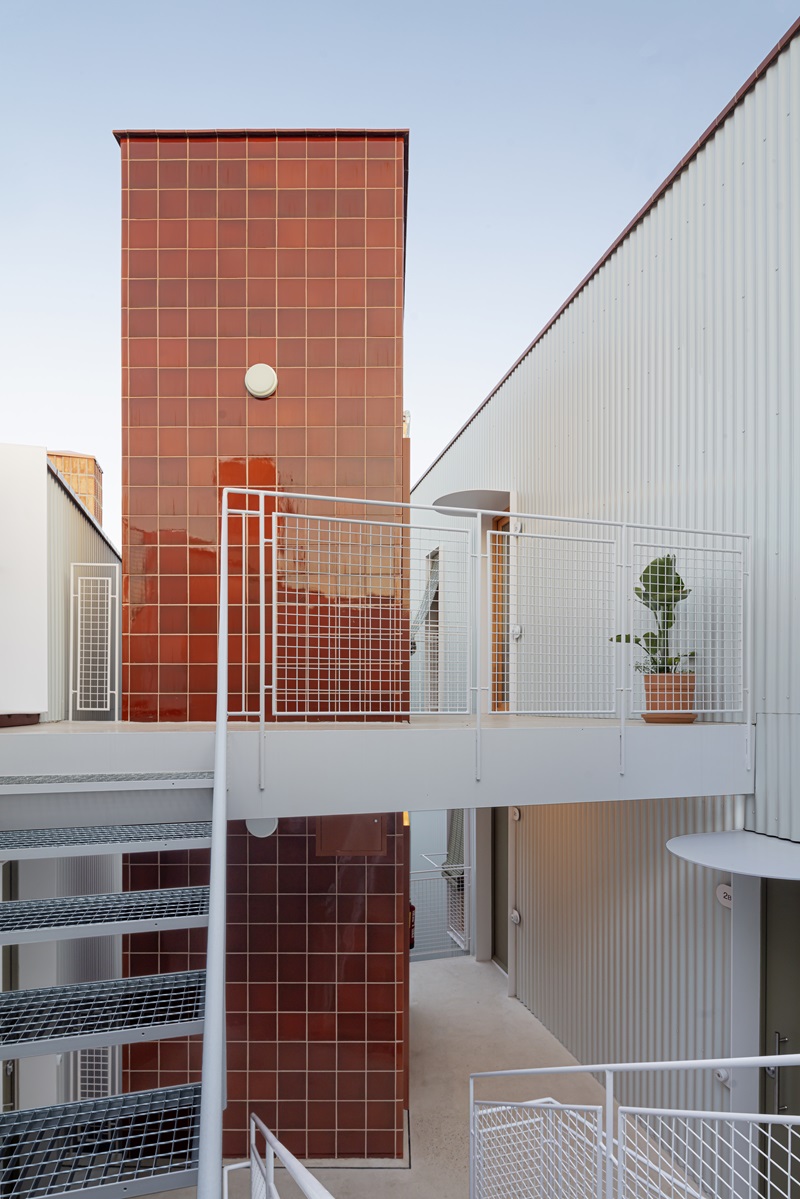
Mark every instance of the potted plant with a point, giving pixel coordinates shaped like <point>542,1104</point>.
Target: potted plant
<point>669,679</point>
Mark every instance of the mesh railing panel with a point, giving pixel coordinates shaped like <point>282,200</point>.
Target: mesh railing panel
<point>369,618</point>
<point>676,1155</point>
<point>552,611</point>
<point>704,643</point>
<point>441,902</point>
<point>540,1152</point>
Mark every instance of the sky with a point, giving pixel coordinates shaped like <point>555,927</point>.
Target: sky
<point>536,132</point>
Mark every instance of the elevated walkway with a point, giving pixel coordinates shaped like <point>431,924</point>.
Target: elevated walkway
<point>317,768</point>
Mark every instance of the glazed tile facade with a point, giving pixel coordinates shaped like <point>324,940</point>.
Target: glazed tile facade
<point>286,248</point>
<point>241,249</point>
<point>316,989</point>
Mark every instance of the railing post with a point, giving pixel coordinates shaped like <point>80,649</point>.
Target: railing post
<point>472,1146</point>
<point>209,1176</point>
<point>624,659</point>
<point>262,649</point>
<point>609,1146</point>
<point>477,558</point>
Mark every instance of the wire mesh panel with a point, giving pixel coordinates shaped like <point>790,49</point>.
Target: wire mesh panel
<point>354,602</point>
<point>553,613</point>
<point>94,652</point>
<point>537,1151</point>
<point>116,1144</point>
<point>680,1155</point>
<point>441,899</point>
<point>687,622</point>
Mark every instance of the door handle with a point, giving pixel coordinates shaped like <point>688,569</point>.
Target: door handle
<point>774,1073</point>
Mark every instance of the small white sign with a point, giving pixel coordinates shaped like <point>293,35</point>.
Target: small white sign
<point>725,894</point>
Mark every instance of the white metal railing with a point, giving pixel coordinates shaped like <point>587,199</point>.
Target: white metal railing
<point>262,1168</point>
<point>546,1149</point>
<point>441,895</point>
<point>359,608</point>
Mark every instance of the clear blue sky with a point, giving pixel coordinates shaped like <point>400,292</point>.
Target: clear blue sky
<point>537,131</point>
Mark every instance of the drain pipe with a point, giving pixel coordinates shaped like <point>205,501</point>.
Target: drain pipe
<point>209,1175</point>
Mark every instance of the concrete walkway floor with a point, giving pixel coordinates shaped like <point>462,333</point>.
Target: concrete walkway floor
<point>461,1022</point>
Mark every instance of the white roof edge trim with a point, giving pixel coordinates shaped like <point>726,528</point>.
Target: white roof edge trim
<point>740,852</point>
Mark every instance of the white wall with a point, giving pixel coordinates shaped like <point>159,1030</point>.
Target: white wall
<point>667,392</point>
<point>23,579</point>
<point>623,950</point>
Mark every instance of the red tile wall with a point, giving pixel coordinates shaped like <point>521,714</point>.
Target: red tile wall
<point>287,249</point>
<point>316,985</point>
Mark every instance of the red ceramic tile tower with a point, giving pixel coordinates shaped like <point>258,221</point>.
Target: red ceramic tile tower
<point>286,248</point>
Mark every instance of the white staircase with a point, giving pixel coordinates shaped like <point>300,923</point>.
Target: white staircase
<point>131,1144</point>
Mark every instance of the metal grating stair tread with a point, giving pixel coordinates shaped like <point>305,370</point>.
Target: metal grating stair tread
<point>23,921</point>
<point>115,1012</point>
<point>104,781</point>
<point>135,1144</point>
<point>23,844</point>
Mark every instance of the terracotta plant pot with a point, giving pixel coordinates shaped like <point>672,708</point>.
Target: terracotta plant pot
<point>669,699</point>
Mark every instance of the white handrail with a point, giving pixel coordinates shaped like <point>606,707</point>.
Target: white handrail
<point>711,1063</point>
<point>212,1101</point>
<point>311,1187</point>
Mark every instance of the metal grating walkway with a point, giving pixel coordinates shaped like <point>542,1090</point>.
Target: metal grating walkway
<point>133,1144</point>
<point>60,1019</point>
<point>140,781</point>
<point>25,920</point>
<point>22,844</point>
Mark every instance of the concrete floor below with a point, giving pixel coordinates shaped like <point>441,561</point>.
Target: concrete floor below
<point>461,1022</point>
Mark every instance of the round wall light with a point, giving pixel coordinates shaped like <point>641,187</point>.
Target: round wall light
<point>261,381</point>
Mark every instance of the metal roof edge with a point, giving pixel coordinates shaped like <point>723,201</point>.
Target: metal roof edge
<point>664,187</point>
<point>84,510</point>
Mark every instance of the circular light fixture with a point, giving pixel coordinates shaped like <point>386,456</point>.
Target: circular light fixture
<point>261,381</point>
<point>261,826</point>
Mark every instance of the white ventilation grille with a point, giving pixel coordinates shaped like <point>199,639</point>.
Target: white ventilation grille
<point>94,637</point>
<point>94,644</point>
<point>95,1072</point>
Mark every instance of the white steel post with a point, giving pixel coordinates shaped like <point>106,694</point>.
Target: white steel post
<point>477,558</point>
<point>609,1153</point>
<point>262,648</point>
<point>472,1138</point>
<point>209,1176</point>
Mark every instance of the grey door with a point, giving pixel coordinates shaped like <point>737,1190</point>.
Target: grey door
<point>500,886</point>
<point>782,1017</point>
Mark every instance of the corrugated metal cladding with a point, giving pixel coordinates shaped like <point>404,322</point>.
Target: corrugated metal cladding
<point>72,537</point>
<point>623,950</point>
<point>669,392</point>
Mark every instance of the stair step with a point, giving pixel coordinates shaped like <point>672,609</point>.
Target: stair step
<point>136,1144</point>
<point>27,784</point>
<point>23,921</point>
<point>117,1012</point>
<point>23,844</point>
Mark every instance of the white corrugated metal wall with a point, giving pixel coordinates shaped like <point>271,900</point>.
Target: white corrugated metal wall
<point>666,392</point>
<point>72,537</point>
<point>623,950</point>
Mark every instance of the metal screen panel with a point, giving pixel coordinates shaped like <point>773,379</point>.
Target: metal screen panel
<point>129,1144</point>
<point>441,899</point>
<point>691,1155</point>
<point>705,642</point>
<point>537,1150</point>
<point>93,684</point>
<point>370,618</point>
<point>553,603</point>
